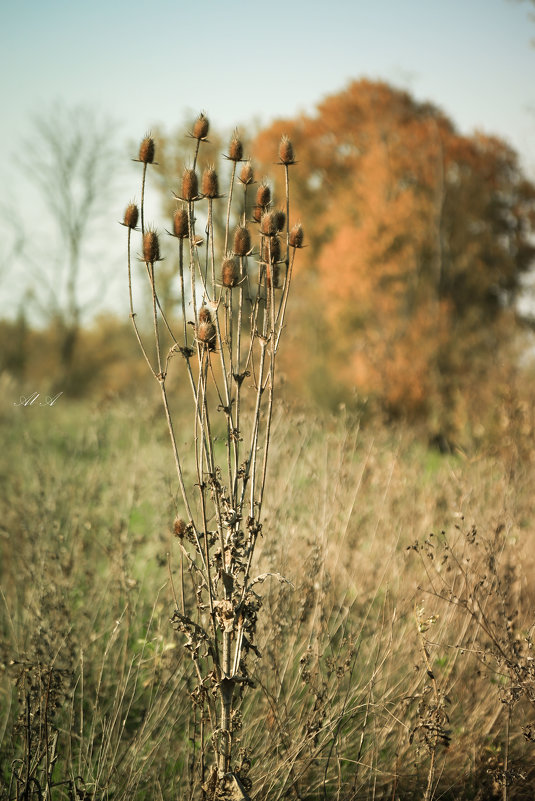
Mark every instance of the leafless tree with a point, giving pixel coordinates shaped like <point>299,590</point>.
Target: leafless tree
<point>69,159</point>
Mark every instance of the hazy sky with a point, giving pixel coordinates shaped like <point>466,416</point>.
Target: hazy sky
<point>148,62</point>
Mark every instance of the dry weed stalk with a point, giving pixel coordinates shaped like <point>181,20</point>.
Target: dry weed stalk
<point>233,305</point>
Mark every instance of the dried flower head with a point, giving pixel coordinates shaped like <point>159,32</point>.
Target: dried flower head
<point>151,247</point>
<point>180,223</point>
<point>296,236</point>
<point>206,332</point>
<point>246,174</point>
<point>131,216</point>
<point>286,151</point>
<point>257,213</point>
<point>235,152</point>
<point>274,252</point>
<point>180,527</point>
<point>230,272</point>
<point>146,150</point>
<point>242,241</point>
<point>210,187</point>
<point>280,219</point>
<point>268,224</point>
<point>190,185</point>
<point>263,195</point>
<point>200,127</point>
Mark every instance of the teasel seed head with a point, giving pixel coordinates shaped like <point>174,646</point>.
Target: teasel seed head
<point>179,528</point>
<point>296,236</point>
<point>190,185</point>
<point>210,186</point>
<point>247,174</point>
<point>268,225</point>
<point>235,152</point>
<point>151,247</point>
<point>263,195</point>
<point>146,150</point>
<point>230,272</point>
<point>280,219</point>
<point>257,213</point>
<point>286,151</point>
<point>131,216</point>
<point>274,249</point>
<point>242,241</point>
<point>206,332</point>
<point>180,224</point>
<point>200,127</point>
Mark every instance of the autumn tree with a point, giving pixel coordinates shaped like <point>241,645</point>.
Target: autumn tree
<point>419,238</point>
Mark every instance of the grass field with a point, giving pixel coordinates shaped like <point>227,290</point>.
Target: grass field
<point>398,664</point>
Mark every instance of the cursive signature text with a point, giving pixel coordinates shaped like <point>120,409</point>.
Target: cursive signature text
<point>31,400</point>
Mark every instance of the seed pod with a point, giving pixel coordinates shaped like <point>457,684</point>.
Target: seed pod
<point>263,195</point>
<point>206,332</point>
<point>268,225</point>
<point>257,213</point>
<point>180,223</point>
<point>131,216</point>
<point>230,272</point>
<point>246,174</point>
<point>242,241</point>
<point>286,151</point>
<point>179,527</point>
<point>151,247</point>
<point>146,150</point>
<point>296,236</point>
<point>274,251</point>
<point>190,185</point>
<point>210,186</point>
<point>280,219</point>
<point>200,127</point>
<point>235,152</point>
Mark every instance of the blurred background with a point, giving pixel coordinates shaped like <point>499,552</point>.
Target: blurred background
<point>414,128</point>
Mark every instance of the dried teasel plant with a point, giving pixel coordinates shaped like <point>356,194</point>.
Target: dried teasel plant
<point>232,311</point>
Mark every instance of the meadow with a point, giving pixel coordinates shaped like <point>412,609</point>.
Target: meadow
<point>398,664</point>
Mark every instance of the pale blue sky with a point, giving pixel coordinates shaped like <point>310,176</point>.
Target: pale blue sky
<point>148,62</point>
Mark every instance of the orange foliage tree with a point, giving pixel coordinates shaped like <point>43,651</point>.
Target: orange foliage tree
<point>419,237</point>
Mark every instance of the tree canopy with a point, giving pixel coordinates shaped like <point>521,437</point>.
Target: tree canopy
<point>419,237</point>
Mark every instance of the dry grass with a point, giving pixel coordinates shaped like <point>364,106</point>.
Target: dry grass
<point>95,685</point>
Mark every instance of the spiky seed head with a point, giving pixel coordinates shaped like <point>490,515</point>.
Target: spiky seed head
<point>146,150</point>
<point>235,152</point>
<point>179,528</point>
<point>263,195</point>
<point>247,174</point>
<point>257,213</point>
<point>200,127</point>
<point>151,247</point>
<point>242,241</point>
<point>230,272</point>
<point>210,186</point>
<point>180,223</point>
<point>268,225</point>
<point>286,151</point>
<point>206,332</point>
<point>296,236</point>
<point>190,184</point>
<point>131,216</point>
<point>280,219</point>
<point>274,248</point>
